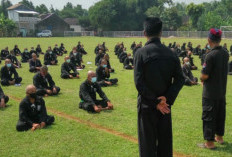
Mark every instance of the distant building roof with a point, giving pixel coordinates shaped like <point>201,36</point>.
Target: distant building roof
<point>19,6</point>
<point>26,12</point>
<point>44,17</point>
<point>71,21</point>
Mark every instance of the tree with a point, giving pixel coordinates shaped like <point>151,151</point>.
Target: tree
<point>42,9</point>
<point>28,4</point>
<point>7,26</point>
<point>195,11</point>
<point>4,5</point>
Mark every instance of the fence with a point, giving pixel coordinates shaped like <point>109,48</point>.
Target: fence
<point>166,34</point>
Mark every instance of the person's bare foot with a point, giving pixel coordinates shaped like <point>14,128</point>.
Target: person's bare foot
<point>219,139</point>
<point>207,145</point>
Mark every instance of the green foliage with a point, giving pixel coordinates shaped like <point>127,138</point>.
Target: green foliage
<point>4,5</point>
<point>195,11</point>
<point>7,27</point>
<point>28,3</point>
<point>42,9</point>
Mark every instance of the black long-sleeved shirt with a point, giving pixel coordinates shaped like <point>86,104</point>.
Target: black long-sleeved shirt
<point>157,73</point>
<point>1,93</point>
<point>102,75</point>
<point>128,61</point>
<point>88,92</point>
<point>32,113</point>
<point>4,53</point>
<point>48,58</point>
<point>6,74</point>
<point>67,67</point>
<point>98,57</point>
<point>187,73</point>
<point>35,63</point>
<point>76,59</point>
<point>41,82</point>
<point>17,51</point>
<point>13,59</point>
<point>26,56</point>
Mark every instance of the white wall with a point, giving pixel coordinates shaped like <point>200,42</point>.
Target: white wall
<point>13,15</point>
<point>77,28</point>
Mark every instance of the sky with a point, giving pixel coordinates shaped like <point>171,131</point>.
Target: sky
<point>58,4</point>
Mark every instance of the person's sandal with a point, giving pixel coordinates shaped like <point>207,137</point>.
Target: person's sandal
<point>202,145</point>
<point>219,141</point>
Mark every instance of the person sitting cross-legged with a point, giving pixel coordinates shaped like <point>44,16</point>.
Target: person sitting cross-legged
<point>103,75</point>
<point>66,68</point>
<point>34,63</point>
<point>187,73</point>
<point>128,62</point>
<point>87,94</point>
<point>44,83</point>
<point>6,74</point>
<point>32,112</point>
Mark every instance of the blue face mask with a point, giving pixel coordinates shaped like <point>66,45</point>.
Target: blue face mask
<point>75,54</point>
<point>68,61</point>
<point>94,79</point>
<point>208,47</point>
<point>50,52</point>
<point>8,65</point>
<point>104,66</point>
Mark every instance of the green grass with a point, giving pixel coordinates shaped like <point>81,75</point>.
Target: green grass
<point>69,138</point>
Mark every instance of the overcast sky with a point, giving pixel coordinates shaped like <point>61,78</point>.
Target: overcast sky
<point>85,3</point>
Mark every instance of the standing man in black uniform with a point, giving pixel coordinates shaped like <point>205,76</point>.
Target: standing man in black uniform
<point>214,78</point>
<point>158,78</point>
<point>32,112</point>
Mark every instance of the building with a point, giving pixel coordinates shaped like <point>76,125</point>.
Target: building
<point>74,24</point>
<point>25,19</point>
<point>54,23</point>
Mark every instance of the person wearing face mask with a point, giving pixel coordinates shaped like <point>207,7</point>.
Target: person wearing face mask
<point>103,75</point>
<point>123,55</point>
<point>50,57</point>
<point>34,64</point>
<point>45,86</point>
<point>66,69</point>
<point>214,79</point>
<point>107,58</point>
<point>87,94</point>
<point>76,59</point>
<point>26,56</point>
<point>189,55</point>
<point>128,62</point>
<point>62,49</point>
<point>17,51</point>
<point>32,112</point>
<point>14,59</point>
<point>98,57</point>
<point>4,53</point>
<point>187,73</point>
<point>57,51</point>
<point>6,75</point>
<point>38,49</point>
<point>33,51</point>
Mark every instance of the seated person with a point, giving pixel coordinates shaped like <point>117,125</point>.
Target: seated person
<point>187,73</point>
<point>99,56</point>
<point>128,62</point>
<point>103,75</point>
<point>66,67</point>
<point>57,51</point>
<point>6,75</point>
<point>26,56</point>
<point>34,64</point>
<point>4,53</point>
<point>88,90</point>
<point>44,83</point>
<point>33,51</point>
<point>17,51</point>
<point>82,50</point>
<point>4,99</point>
<point>193,67</point>
<point>32,112</point>
<point>96,50</point>
<point>78,46</point>
<point>50,57</point>
<point>107,58</point>
<point>197,50</point>
<point>230,68</point>
<point>38,49</point>
<point>122,56</point>
<point>76,59</point>
<point>133,45</point>
<point>62,49</point>
<point>14,59</point>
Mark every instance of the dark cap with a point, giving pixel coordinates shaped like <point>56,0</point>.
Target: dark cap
<point>215,34</point>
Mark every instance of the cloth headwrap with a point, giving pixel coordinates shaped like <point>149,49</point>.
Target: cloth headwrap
<point>215,34</point>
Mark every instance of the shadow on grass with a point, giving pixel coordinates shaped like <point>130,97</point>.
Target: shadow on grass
<point>226,147</point>
<point>7,106</point>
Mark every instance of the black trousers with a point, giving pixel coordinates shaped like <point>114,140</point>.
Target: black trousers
<point>113,82</point>
<point>33,69</point>
<point>213,117</point>
<point>5,82</point>
<point>128,67</point>
<point>66,76</point>
<point>89,107</point>
<point>22,126</point>
<point>188,82</point>
<point>42,92</point>
<point>155,133</point>
<point>49,62</point>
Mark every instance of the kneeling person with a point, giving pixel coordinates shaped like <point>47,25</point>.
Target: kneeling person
<point>32,112</point>
<point>66,68</point>
<point>88,98</point>
<point>44,83</point>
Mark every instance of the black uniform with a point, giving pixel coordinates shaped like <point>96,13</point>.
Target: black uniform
<point>122,57</point>
<point>38,50</point>
<point>230,68</point>
<point>17,51</point>
<point>103,76</point>
<point>66,68</point>
<point>157,73</point>
<point>98,58</point>
<point>76,59</point>
<point>133,46</point>
<point>128,63</point>
<point>3,96</point>
<point>34,64</point>
<point>88,96</point>
<point>34,51</point>
<point>26,56</point>
<point>57,51</point>
<point>188,75</point>
<point>4,54</point>
<point>44,83</point>
<point>214,91</point>
<point>108,65</point>
<point>13,59</point>
<point>48,58</point>
<point>6,76</point>
<point>32,113</point>
<point>231,50</point>
<point>62,49</point>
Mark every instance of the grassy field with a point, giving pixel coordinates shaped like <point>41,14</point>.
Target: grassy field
<point>83,134</point>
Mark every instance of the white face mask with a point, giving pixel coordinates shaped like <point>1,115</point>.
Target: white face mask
<point>187,63</point>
